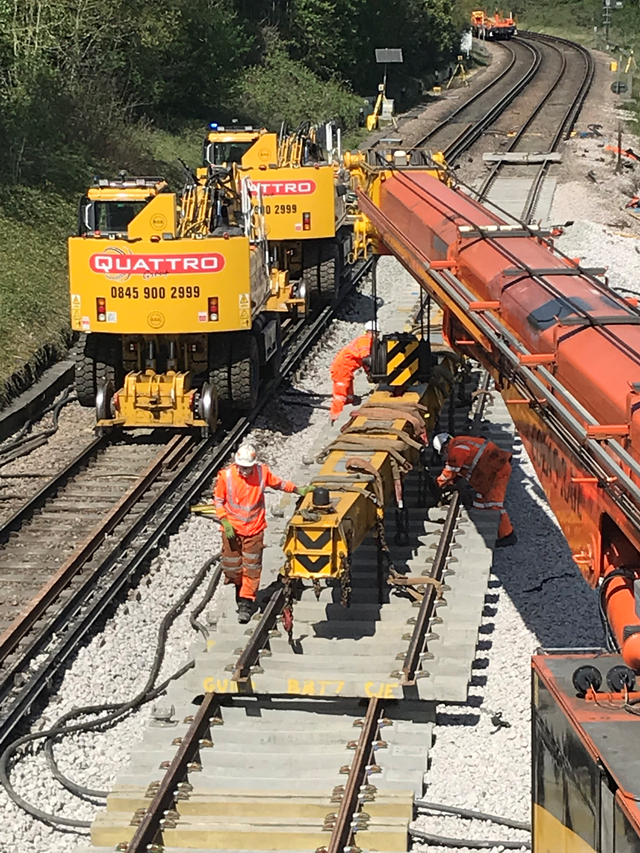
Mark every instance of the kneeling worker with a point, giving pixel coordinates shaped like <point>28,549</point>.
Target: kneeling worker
<point>343,368</point>
<point>239,502</point>
<point>487,470</point>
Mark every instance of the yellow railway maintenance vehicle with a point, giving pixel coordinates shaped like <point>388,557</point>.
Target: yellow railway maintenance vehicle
<point>174,298</point>
<point>304,199</point>
<point>586,754</point>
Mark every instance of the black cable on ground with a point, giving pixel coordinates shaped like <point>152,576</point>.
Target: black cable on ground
<point>473,843</point>
<point>21,438</point>
<point>193,616</point>
<point>169,618</point>
<point>115,712</point>
<point>423,805</point>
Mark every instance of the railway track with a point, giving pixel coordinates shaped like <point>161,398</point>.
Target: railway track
<point>458,131</point>
<point>567,74</point>
<point>130,495</point>
<point>273,745</point>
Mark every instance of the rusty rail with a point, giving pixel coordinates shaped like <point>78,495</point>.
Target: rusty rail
<point>9,640</point>
<point>343,828</point>
<point>165,796</point>
<point>251,651</point>
<point>412,658</point>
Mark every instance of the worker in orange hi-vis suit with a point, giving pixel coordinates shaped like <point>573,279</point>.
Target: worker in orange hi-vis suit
<point>344,366</point>
<point>239,502</point>
<point>487,470</point>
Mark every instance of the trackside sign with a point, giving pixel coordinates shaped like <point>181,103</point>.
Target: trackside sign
<point>270,188</point>
<point>156,264</point>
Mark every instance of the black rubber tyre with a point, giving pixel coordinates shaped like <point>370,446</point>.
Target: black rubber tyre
<point>98,360</point>
<point>311,271</point>
<point>219,367</point>
<point>244,372</point>
<point>329,272</point>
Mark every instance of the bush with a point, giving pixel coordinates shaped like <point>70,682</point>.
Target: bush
<point>282,89</point>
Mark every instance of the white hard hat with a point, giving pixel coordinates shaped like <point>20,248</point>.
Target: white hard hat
<point>371,326</point>
<point>440,440</point>
<point>246,456</point>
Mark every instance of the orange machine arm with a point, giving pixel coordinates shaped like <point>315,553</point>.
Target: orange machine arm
<point>564,351</point>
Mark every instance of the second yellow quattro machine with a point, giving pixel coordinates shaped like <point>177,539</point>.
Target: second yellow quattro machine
<point>180,299</point>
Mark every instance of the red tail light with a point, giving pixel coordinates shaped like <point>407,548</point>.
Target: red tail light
<point>213,307</point>
<point>306,222</point>
<point>116,401</point>
<point>101,308</point>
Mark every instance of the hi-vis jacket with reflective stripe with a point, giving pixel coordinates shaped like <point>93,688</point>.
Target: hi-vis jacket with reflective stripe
<point>477,460</point>
<point>241,499</point>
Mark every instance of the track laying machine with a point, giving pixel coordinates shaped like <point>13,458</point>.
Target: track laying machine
<point>563,348</point>
<point>180,299</point>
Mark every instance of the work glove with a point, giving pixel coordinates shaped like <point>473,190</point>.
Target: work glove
<point>304,490</point>
<point>228,529</point>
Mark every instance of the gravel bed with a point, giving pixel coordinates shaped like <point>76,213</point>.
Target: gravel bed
<point>114,665</point>
<point>75,430</point>
<point>536,598</point>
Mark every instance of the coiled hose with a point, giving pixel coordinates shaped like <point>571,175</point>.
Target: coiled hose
<point>111,713</point>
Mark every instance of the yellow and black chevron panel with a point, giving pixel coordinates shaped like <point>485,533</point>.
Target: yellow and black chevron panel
<point>403,360</point>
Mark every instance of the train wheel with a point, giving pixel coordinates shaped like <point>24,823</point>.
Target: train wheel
<point>208,406</point>
<point>244,372</point>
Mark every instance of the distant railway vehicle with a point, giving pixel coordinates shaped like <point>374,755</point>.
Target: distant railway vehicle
<point>494,28</point>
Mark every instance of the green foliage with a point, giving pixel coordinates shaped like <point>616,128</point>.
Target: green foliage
<point>282,89</point>
<point>92,87</point>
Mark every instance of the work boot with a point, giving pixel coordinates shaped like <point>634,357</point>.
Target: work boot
<point>245,610</point>
<point>506,541</point>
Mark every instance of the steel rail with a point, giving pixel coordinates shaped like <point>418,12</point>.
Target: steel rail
<point>568,121</point>
<point>513,144</point>
<point>346,817</point>
<point>475,132</point>
<point>470,101</point>
<point>9,640</point>
<point>411,664</point>
<point>131,552</point>
<point>250,655</point>
<point>165,797</point>
<point>50,488</point>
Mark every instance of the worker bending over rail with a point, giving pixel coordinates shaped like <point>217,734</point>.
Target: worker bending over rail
<point>487,470</point>
<point>239,501</point>
<point>355,355</point>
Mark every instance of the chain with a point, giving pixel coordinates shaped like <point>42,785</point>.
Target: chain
<point>345,579</point>
<point>381,542</point>
<point>287,609</point>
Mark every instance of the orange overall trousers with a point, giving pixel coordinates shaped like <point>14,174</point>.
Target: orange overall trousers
<point>343,369</point>
<point>239,498</point>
